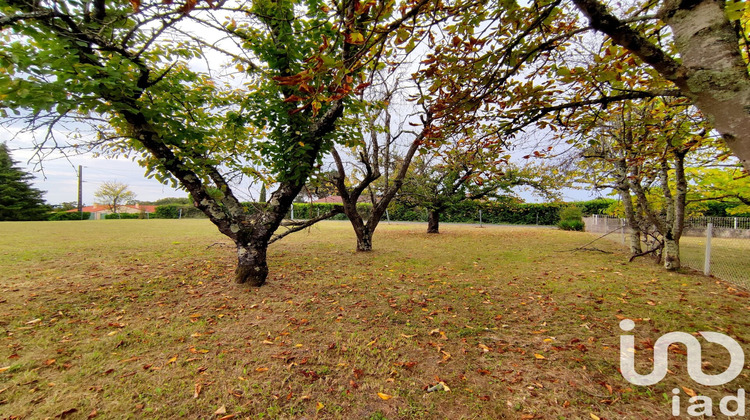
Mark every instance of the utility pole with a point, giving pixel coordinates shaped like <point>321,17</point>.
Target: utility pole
<point>80,190</point>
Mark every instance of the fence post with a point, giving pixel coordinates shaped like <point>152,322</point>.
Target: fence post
<point>480,218</point>
<point>292,211</point>
<point>735,223</point>
<point>387,217</point>
<point>180,216</point>
<point>707,260</point>
<point>622,229</point>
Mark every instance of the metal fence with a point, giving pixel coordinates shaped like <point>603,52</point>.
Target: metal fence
<point>719,246</point>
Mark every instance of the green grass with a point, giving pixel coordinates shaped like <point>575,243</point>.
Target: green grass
<point>140,319</point>
<point>729,259</point>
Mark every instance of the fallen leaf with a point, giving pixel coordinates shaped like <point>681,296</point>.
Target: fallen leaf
<point>93,414</point>
<point>221,411</point>
<point>227,417</point>
<point>384,397</point>
<point>172,360</point>
<point>261,369</point>
<point>198,388</point>
<point>49,362</point>
<point>539,356</point>
<point>594,416</point>
<point>3,369</point>
<point>319,406</point>
<point>689,392</point>
<point>34,321</point>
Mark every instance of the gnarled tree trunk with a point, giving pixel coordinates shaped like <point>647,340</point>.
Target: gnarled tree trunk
<point>252,268</point>
<point>433,221</point>
<point>671,254</point>
<point>364,239</point>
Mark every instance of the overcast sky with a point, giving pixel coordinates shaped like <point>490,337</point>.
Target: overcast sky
<point>60,178</point>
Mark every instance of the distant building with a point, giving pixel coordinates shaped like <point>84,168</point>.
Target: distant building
<point>336,199</point>
<point>99,211</point>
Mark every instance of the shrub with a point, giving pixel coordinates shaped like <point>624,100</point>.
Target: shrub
<point>123,216</point>
<point>571,218</point>
<point>571,225</point>
<point>63,215</point>
<point>172,211</point>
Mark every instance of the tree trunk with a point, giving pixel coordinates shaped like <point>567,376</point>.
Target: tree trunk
<point>433,221</point>
<point>364,239</point>
<point>252,268</point>
<point>671,255</point>
<point>635,242</point>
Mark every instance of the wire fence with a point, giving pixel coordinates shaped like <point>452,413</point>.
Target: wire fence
<point>719,246</point>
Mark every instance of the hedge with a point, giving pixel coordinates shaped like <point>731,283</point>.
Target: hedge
<point>64,215</point>
<point>125,216</point>
<point>464,212</point>
<point>172,211</point>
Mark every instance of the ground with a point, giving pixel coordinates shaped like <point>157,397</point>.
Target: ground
<point>141,319</point>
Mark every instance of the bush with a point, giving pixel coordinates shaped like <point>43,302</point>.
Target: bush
<point>571,218</point>
<point>63,215</point>
<point>571,225</point>
<point>124,216</point>
<point>173,211</point>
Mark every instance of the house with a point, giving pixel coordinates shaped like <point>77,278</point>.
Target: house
<point>336,199</point>
<point>99,211</point>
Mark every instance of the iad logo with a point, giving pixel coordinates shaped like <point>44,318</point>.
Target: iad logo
<point>701,405</point>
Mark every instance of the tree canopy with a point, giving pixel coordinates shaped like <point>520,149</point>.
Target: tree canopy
<point>113,195</point>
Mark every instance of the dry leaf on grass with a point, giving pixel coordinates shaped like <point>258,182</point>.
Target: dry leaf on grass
<point>384,397</point>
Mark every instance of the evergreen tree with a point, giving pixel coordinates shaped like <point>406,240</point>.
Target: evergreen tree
<point>18,200</point>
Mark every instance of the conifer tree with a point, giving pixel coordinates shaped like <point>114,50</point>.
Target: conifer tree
<point>18,199</point>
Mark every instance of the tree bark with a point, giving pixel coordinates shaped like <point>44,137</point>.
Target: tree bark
<point>671,255</point>
<point>364,239</point>
<point>623,188</point>
<point>252,267</point>
<point>433,221</point>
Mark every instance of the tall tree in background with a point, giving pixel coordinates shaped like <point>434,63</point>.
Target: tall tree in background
<point>18,200</point>
<point>113,195</point>
<point>126,65</point>
<point>469,170</point>
<point>377,171</point>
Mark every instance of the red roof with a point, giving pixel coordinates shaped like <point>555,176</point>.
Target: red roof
<point>330,199</point>
<point>336,199</point>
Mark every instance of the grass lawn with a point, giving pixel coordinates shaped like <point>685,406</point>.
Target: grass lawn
<point>729,257</point>
<point>140,319</point>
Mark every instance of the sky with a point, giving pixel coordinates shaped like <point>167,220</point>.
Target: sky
<point>59,177</point>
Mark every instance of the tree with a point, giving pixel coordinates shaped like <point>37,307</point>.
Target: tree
<point>18,199</point>
<point>124,65</point>
<point>376,158</point>
<point>709,63</point>
<point>721,183</point>
<point>644,148</point>
<point>468,170</point>
<point>113,195</point>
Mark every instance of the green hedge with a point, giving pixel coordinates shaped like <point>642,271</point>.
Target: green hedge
<point>125,216</point>
<point>492,212</point>
<point>505,212</point>
<point>172,211</point>
<point>63,215</point>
